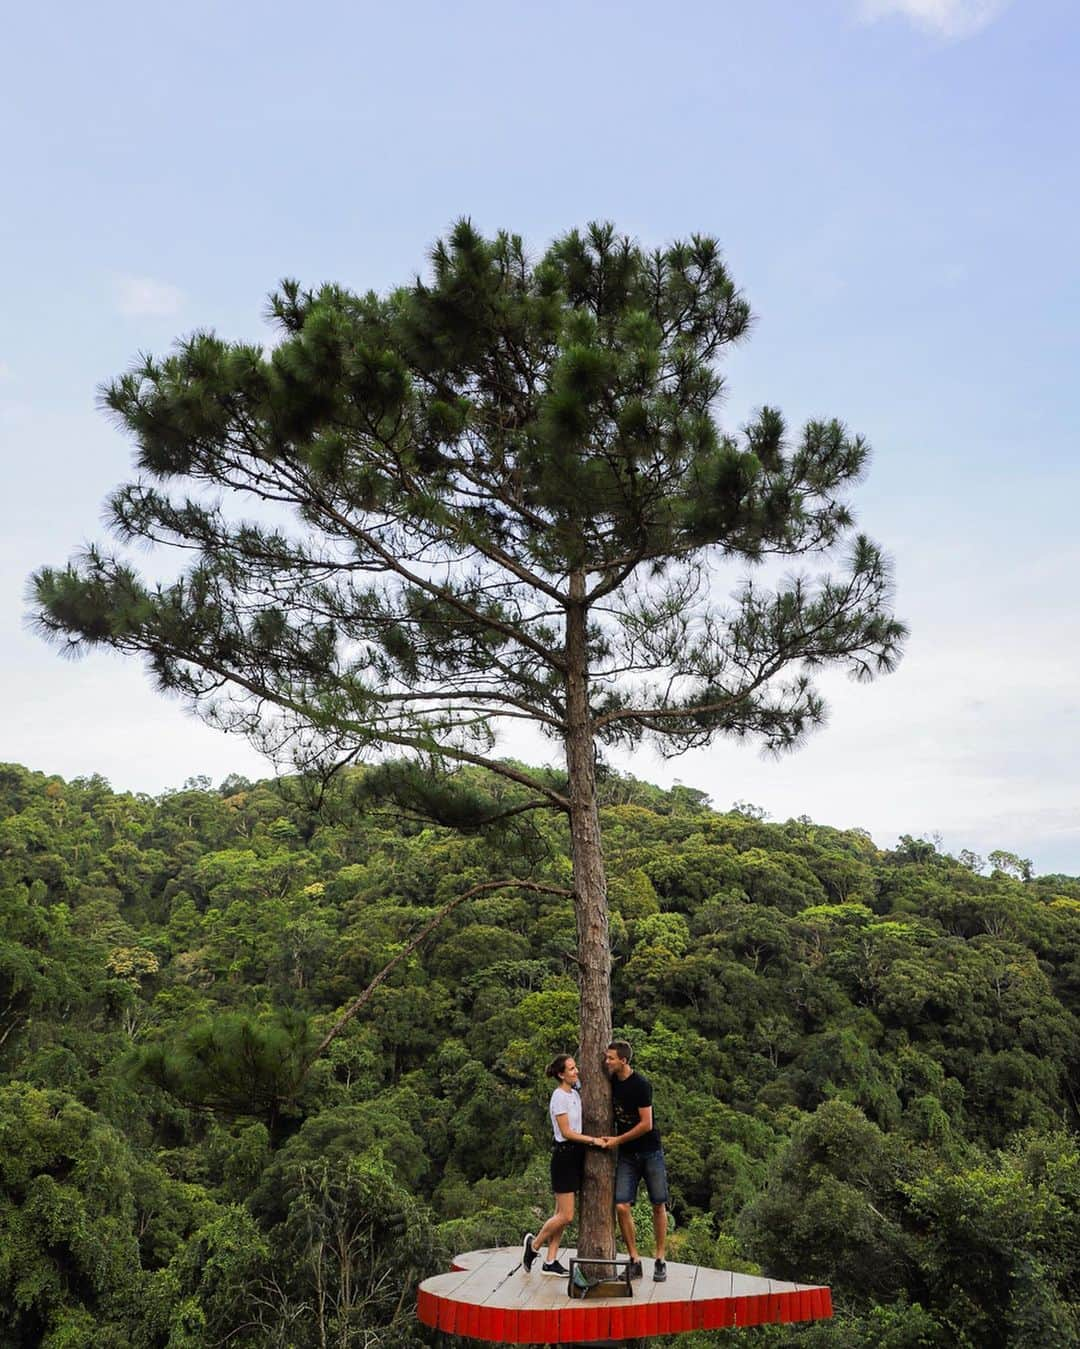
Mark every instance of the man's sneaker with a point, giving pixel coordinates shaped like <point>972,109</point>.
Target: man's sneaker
<point>528,1255</point>
<point>635,1269</point>
<point>659,1271</point>
<point>553,1267</point>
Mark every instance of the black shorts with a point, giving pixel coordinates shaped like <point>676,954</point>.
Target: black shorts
<point>567,1167</point>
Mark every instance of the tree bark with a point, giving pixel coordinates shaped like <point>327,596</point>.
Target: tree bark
<point>596,1226</point>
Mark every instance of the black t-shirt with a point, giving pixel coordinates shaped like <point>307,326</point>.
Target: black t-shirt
<point>628,1096</point>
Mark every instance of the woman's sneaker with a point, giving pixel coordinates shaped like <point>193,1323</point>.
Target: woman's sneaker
<point>635,1269</point>
<point>553,1267</point>
<point>659,1271</point>
<point>528,1255</point>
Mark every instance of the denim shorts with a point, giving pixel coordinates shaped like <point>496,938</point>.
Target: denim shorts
<point>632,1167</point>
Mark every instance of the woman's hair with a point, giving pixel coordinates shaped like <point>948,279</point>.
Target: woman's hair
<point>557,1064</point>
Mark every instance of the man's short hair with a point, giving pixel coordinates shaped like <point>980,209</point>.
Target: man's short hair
<point>623,1049</point>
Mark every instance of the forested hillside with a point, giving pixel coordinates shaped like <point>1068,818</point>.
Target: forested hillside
<point>865,1062</point>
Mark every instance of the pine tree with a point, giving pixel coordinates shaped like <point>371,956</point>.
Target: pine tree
<point>500,494</point>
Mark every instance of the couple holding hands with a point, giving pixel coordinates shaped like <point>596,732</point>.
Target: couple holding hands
<point>640,1157</point>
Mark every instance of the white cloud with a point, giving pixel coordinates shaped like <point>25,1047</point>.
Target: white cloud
<point>6,372</point>
<point>143,297</point>
<point>946,18</point>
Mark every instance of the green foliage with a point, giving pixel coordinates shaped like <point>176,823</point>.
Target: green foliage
<point>232,1064</point>
<point>339,1248</point>
<point>830,1209</point>
<point>868,1080</point>
<point>69,1259</point>
<point>1002,1252</point>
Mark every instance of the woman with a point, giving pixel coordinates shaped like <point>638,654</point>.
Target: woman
<point>567,1164</point>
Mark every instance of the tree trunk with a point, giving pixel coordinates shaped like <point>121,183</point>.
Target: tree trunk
<point>596,1225</point>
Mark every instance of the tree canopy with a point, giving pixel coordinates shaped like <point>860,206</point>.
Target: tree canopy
<point>864,1061</point>
<point>449,457</point>
<point>500,494</point>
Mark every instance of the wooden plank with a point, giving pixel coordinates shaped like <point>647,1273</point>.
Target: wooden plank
<point>447,1314</point>
<point>597,1322</point>
<point>712,1283</point>
<point>681,1315</point>
<point>571,1324</point>
<point>750,1285</point>
<point>519,1290</point>
<point>482,1281</point>
<point>426,1308</point>
<point>551,1292</point>
<point>679,1285</point>
<point>719,1313</point>
<point>473,1321</point>
<point>650,1319</point>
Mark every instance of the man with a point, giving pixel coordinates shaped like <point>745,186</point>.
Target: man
<point>640,1155</point>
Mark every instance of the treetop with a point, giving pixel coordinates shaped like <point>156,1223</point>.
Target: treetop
<point>393,511</point>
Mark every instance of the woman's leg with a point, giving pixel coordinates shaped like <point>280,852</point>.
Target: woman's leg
<point>556,1225</point>
<point>564,1215</point>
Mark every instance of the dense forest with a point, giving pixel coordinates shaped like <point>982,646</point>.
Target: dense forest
<point>864,1061</point>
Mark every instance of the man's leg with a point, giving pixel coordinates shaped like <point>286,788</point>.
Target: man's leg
<point>627,1177</point>
<point>655,1172</point>
<point>659,1222</point>
<point>626,1227</point>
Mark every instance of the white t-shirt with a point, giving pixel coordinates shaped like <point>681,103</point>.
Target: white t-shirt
<point>566,1103</point>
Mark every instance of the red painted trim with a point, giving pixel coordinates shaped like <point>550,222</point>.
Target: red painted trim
<point>644,1320</point>
<point>446,1314</point>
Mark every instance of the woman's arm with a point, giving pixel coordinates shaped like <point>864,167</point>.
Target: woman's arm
<point>563,1121</point>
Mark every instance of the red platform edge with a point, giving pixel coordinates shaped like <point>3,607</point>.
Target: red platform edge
<point>508,1325</point>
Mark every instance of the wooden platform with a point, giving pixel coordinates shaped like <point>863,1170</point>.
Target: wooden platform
<point>485,1299</point>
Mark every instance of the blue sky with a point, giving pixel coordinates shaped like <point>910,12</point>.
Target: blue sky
<point>895,186</point>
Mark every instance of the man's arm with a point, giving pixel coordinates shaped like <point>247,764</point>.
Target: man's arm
<point>643,1126</point>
